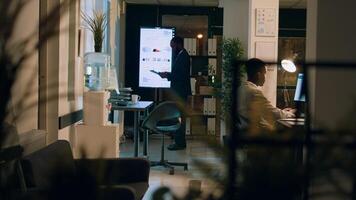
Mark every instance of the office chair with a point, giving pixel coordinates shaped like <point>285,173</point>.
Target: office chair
<point>164,118</point>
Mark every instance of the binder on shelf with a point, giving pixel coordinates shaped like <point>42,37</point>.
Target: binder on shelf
<point>205,108</point>
<point>209,106</point>
<point>194,46</point>
<point>213,50</point>
<point>187,126</point>
<point>190,46</point>
<point>213,120</point>
<point>208,126</point>
<point>211,47</point>
<point>211,126</point>
<point>192,85</point>
<point>212,67</point>
<point>213,106</point>
<point>210,44</point>
<point>186,44</point>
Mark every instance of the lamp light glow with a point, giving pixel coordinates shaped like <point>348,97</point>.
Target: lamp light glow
<point>200,36</point>
<point>288,65</point>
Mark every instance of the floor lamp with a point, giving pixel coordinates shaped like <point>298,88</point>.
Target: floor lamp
<point>288,66</point>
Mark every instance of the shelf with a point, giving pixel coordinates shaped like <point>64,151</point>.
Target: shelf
<point>203,125</point>
<point>200,114</point>
<point>195,113</point>
<point>203,56</point>
<point>192,113</point>
<point>200,136</point>
<point>201,95</point>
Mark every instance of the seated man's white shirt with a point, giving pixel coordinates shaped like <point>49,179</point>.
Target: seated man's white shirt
<point>257,109</point>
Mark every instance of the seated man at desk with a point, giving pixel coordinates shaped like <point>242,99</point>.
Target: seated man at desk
<point>256,111</point>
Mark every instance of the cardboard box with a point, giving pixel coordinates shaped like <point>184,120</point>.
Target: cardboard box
<point>95,111</point>
<point>97,141</point>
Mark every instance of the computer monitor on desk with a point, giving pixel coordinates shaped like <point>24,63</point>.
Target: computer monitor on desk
<point>299,100</point>
<point>299,96</point>
<point>299,91</point>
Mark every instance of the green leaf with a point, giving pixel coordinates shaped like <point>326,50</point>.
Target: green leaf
<point>231,50</point>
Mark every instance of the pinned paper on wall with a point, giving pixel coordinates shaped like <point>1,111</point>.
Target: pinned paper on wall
<point>266,22</point>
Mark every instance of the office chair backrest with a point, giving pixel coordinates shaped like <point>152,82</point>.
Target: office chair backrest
<point>165,111</point>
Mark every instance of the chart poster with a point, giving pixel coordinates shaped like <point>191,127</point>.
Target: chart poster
<point>155,56</point>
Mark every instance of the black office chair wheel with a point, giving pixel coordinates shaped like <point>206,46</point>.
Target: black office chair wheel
<point>164,164</point>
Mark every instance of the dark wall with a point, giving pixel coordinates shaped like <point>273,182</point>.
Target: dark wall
<point>151,16</point>
<point>292,22</point>
<point>136,17</point>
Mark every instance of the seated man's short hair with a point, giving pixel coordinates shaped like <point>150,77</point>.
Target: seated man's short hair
<point>253,66</point>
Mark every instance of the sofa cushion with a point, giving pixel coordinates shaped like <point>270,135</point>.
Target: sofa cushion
<point>115,171</point>
<point>39,166</point>
<point>117,177</point>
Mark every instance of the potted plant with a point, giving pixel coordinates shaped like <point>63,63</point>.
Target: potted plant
<point>97,25</point>
<point>97,63</point>
<point>231,50</point>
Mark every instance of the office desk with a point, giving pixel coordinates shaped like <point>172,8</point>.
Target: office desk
<point>141,106</point>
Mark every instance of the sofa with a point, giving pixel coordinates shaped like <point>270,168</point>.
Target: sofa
<point>52,172</point>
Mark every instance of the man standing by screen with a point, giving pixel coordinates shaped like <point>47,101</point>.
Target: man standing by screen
<point>180,85</point>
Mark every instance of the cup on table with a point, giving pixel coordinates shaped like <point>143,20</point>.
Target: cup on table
<point>135,98</point>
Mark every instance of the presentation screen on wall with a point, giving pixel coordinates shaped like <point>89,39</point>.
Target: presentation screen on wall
<point>155,56</point>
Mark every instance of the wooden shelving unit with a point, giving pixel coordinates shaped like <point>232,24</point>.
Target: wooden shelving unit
<point>205,123</point>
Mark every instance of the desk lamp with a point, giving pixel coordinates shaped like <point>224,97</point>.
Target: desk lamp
<point>288,66</point>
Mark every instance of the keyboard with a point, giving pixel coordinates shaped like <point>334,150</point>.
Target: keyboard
<point>293,119</point>
<point>290,122</point>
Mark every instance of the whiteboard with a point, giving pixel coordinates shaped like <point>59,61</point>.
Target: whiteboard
<point>155,55</point>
